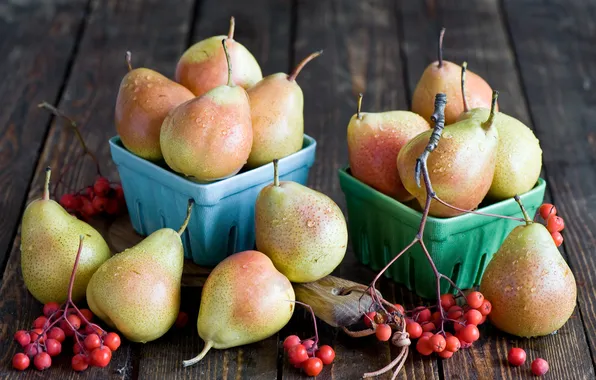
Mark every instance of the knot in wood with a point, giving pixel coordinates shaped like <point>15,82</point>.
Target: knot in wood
<point>401,339</point>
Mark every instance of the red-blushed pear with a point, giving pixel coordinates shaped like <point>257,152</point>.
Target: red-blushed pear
<point>444,77</point>
<point>461,167</point>
<point>531,288</point>
<point>244,300</point>
<point>374,141</point>
<point>203,67</point>
<point>276,106</point>
<point>144,99</point>
<point>209,137</point>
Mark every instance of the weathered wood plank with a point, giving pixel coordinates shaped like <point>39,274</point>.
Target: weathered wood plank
<point>38,39</point>
<point>475,33</point>
<point>361,54</point>
<point>155,32</point>
<point>554,44</point>
<point>266,33</point>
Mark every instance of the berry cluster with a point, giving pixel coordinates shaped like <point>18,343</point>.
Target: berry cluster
<point>92,345</point>
<point>554,224</point>
<point>430,327</point>
<point>103,197</point>
<point>517,357</point>
<point>306,354</point>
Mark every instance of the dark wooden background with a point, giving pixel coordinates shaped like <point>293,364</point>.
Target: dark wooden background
<point>541,55</point>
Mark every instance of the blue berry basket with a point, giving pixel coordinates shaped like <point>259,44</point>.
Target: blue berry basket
<point>222,220</point>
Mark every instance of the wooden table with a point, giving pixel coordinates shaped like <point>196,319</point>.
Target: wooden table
<point>540,55</point>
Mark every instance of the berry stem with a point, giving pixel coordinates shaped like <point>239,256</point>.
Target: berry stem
<point>464,66</point>
<point>230,82</point>
<point>128,58</point>
<point>275,173</point>
<point>314,320</point>
<point>359,106</point>
<point>188,214</point>
<point>440,52</point>
<point>303,63</point>
<point>232,28</point>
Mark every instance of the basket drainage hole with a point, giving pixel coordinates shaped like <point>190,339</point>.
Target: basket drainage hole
<point>454,276</point>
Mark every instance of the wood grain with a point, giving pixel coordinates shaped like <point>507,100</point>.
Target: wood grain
<point>38,40</point>
<point>554,44</point>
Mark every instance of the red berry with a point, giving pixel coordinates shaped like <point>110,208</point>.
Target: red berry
<point>20,361</point>
<point>113,206</point>
<point>312,366</point>
<point>93,329</point>
<point>297,354</point>
<point>469,334</point>
<point>428,327</point>
<point>326,354</point>
<point>100,203</point>
<point>39,322</point>
<point>369,318</point>
<point>75,321</point>
<point>70,201</point>
<point>49,308</point>
<point>516,356</point>
<point>557,238</point>
<point>308,344</point>
<point>437,342</point>
<point>383,332</point>
<point>426,334</point>
<point>53,347</point>
<point>473,317</point>
<point>30,349</point>
<point>112,341</point>
<point>101,186</point>
<point>87,208</point>
<point>77,348</point>
<point>92,341</point>
<point>64,326</point>
<point>482,320</point>
<point>42,361</point>
<point>37,335</point>
<point>88,314</point>
<point>546,210</point>
<point>181,320</point>
<point>79,362</point>
<point>459,326</point>
<point>424,347</point>
<point>539,367</point>
<point>22,337</point>
<point>455,312</point>
<point>399,308</point>
<point>445,354</point>
<point>555,224</point>
<point>452,344</point>
<point>291,341</point>
<point>56,333</point>
<point>475,299</point>
<point>447,301</point>
<point>424,315</point>
<point>464,344</point>
<point>100,357</point>
<point>119,192</point>
<point>414,329</point>
<point>485,308</point>
<point>436,318</point>
<point>89,192</point>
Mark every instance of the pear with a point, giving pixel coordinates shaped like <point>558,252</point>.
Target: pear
<point>50,239</point>
<point>519,156</point>
<point>244,300</point>
<point>530,286</point>
<point>144,99</point>
<point>461,168</point>
<point>209,138</point>
<point>138,291</point>
<point>374,141</point>
<point>202,67</point>
<point>303,231</point>
<point>276,106</point>
<point>444,77</point>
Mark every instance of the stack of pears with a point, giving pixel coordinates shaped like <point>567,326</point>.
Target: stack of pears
<point>220,115</point>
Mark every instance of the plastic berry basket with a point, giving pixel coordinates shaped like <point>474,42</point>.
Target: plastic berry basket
<point>222,220</point>
<point>461,246</point>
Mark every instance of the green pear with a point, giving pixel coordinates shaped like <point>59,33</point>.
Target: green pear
<point>210,137</point>
<point>374,141</point>
<point>276,107</point>
<point>202,67</point>
<point>530,286</point>
<point>303,231</point>
<point>461,168</point>
<point>244,300</point>
<point>144,99</point>
<point>138,291</point>
<point>50,238</point>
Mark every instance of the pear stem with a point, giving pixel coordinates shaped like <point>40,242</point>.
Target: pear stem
<point>187,219</point>
<point>230,83</point>
<point>440,52</point>
<point>128,57</point>
<point>303,63</point>
<point>196,359</point>
<point>46,186</point>
<point>527,218</point>
<point>232,28</point>
<point>487,124</point>
<point>464,66</point>
<point>275,173</point>
<point>359,106</point>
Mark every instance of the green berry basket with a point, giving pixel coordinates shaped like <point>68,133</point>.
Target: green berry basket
<point>461,246</point>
